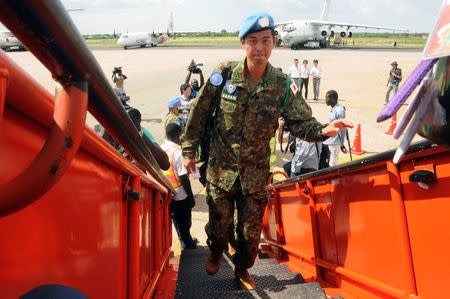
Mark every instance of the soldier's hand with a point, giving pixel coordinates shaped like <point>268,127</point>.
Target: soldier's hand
<point>190,165</point>
<point>336,126</point>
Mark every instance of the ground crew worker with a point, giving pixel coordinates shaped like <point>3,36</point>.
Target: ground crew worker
<point>173,116</point>
<point>249,101</point>
<point>177,175</point>
<point>395,76</point>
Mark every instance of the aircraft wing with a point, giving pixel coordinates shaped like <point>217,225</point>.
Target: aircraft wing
<point>283,23</point>
<point>350,25</point>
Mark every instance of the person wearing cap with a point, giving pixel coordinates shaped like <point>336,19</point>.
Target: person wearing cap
<point>395,76</point>
<point>247,98</point>
<point>173,115</point>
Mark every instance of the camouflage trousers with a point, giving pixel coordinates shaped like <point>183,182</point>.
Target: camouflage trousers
<point>244,237</point>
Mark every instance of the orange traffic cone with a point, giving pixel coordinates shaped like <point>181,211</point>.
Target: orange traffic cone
<point>356,148</point>
<point>393,125</point>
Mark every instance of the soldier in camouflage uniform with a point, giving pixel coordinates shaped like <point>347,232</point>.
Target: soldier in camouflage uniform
<point>245,120</point>
<point>173,115</point>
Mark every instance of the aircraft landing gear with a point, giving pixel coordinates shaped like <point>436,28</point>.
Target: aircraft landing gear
<point>142,46</point>
<point>297,46</point>
<point>125,48</point>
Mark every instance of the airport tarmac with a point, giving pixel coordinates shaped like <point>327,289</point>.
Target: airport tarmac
<point>155,74</point>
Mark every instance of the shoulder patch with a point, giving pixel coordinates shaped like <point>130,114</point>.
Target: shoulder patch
<point>216,79</point>
<point>231,88</point>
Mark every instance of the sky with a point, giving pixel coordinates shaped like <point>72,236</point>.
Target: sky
<point>105,16</point>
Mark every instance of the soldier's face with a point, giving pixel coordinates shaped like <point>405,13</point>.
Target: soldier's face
<point>258,46</point>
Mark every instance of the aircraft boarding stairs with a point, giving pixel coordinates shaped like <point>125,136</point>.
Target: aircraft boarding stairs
<point>273,280</point>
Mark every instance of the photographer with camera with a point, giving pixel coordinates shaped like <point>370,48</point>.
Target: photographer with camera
<point>118,78</point>
<point>193,68</point>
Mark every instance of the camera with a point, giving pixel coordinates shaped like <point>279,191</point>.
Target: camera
<point>193,67</point>
<point>117,70</point>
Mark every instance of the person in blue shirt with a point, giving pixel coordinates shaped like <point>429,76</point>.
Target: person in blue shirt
<point>186,101</point>
<point>335,143</point>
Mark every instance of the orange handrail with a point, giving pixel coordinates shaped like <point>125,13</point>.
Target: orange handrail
<point>62,144</point>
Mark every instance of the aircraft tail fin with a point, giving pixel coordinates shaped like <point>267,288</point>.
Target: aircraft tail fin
<point>324,16</point>
<point>170,29</point>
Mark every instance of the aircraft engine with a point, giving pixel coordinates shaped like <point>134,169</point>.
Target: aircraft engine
<point>325,33</point>
<point>350,34</point>
<point>343,34</point>
<point>332,33</point>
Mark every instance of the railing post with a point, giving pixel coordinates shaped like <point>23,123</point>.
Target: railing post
<point>395,189</point>
<point>134,209</point>
<point>308,193</point>
<point>3,84</point>
<point>279,222</point>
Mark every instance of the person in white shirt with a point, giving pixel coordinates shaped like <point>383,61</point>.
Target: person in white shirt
<point>177,175</point>
<point>186,101</point>
<point>316,73</point>
<point>304,77</point>
<point>294,72</point>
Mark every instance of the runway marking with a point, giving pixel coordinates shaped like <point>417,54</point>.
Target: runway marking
<point>346,158</point>
<point>379,108</point>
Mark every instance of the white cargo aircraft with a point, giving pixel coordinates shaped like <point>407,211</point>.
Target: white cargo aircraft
<point>298,33</point>
<point>143,39</point>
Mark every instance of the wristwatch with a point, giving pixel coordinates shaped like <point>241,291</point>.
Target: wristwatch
<point>321,128</point>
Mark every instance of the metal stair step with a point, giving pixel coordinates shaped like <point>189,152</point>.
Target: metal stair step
<point>272,280</point>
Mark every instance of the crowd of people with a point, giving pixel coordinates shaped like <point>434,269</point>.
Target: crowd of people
<point>300,75</point>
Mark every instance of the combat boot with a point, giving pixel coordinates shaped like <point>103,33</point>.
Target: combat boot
<point>213,263</point>
<point>244,279</point>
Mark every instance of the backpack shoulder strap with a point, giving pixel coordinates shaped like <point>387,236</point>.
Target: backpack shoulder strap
<point>288,84</point>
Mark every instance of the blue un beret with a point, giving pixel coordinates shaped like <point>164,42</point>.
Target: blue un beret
<point>255,23</point>
<point>174,102</point>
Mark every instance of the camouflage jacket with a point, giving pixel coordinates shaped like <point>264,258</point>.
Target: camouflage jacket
<point>244,125</point>
<point>173,118</point>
